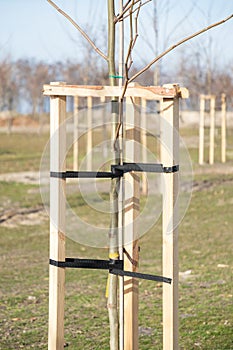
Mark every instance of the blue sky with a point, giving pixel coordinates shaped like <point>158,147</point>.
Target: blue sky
<point>33,29</point>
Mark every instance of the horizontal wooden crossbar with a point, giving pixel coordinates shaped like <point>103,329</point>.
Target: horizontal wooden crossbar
<point>147,92</point>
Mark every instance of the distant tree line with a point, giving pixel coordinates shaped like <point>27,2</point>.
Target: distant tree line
<point>21,81</point>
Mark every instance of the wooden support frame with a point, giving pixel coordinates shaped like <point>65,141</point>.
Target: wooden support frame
<point>169,97</point>
<point>212,100</point>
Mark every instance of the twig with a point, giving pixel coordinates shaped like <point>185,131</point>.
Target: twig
<point>124,17</point>
<point>132,39</point>
<point>79,29</point>
<point>128,57</point>
<point>127,7</point>
<point>126,4</point>
<point>178,44</point>
<point>136,25</point>
<point>9,214</point>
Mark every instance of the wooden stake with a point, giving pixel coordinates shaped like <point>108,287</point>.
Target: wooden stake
<point>223,129</point>
<point>170,157</point>
<point>212,129</point>
<point>57,222</point>
<point>75,145</point>
<point>104,128</point>
<point>89,133</point>
<point>131,256</point>
<point>201,130</point>
<point>144,144</point>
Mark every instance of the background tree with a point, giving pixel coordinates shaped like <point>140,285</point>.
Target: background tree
<point>9,90</point>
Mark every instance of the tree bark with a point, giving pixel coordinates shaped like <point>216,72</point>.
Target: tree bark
<point>113,234</point>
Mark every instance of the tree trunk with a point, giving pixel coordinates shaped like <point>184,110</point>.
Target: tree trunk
<point>113,234</point>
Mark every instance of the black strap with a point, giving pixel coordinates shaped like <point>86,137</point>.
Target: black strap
<point>82,174</point>
<point>114,266</point>
<point>116,171</point>
<point>144,167</point>
<point>88,263</point>
<point>171,169</point>
<point>143,276</point>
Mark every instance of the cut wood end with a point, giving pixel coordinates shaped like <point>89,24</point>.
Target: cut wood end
<point>181,91</point>
<point>184,92</point>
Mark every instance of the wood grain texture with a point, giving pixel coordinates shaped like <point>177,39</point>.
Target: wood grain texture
<point>57,223</point>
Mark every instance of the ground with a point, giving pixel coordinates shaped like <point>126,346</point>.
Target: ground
<point>205,255</point>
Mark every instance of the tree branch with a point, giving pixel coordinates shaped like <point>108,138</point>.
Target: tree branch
<point>79,29</point>
<point>178,44</point>
<point>122,18</point>
<point>133,39</point>
<point>127,7</point>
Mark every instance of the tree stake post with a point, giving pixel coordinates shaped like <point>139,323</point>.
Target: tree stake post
<point>57,221</point>
<point>211,112</point>
<point>170,157</point>
<point>223,128</point>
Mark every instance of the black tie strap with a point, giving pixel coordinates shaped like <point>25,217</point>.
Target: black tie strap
<point>117,171</point>
<point>88,263</point>
<point>114,266</point>
<point>82,174</point>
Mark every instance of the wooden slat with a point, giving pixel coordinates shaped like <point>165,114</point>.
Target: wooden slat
<point>207,97</point>
<point>89,133</point>
<point>132,194</point>
<point>170,157</point>
<point>201,130</point>
<point>212,129</point>
<point>104,127</point>
<point>75,145</point>
<point>57,223</point>
<point>223,128</point>
<point>144,143</point>
<point>149,92</point>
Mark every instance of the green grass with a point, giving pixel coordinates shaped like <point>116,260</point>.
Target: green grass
<point>21,152</point>
<point>205,248</point>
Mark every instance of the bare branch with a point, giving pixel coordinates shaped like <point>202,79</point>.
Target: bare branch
<point>127,7</point>
<point>126,4</point>
<point>133,39</point>
<point>136,24</point>
<point>128,56</point>
<point>79,29</point>
<point>139,7</point>
<point>178,44</point>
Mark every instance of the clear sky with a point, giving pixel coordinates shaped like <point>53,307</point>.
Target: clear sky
<point>33,29</point>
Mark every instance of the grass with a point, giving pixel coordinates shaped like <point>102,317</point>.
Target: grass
<point>21,152</point>
<point>205,254</point>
